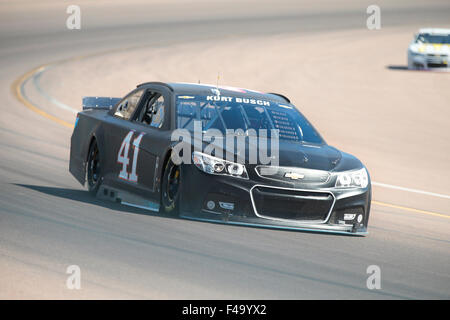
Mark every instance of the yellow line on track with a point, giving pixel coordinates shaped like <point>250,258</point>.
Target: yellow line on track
<point>17,85</point>
<point>17,90</point>
<point>410,209</point>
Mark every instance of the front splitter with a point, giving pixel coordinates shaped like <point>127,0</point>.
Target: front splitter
<point>275,224</point>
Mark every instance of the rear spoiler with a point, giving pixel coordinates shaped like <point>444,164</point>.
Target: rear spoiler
<point>99,103</point>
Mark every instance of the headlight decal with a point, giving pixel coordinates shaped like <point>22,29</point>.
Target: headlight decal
<point>352,179</point>
<point>213,165</point>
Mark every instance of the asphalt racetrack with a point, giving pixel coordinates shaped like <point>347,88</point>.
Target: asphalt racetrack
<point>349,81</point>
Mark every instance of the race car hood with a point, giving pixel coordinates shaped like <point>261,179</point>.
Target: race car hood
<point>293,154</point>
<point>430,48</point>
<point>318,157</point>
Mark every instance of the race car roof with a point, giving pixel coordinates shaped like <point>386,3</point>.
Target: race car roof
<point>206,89</point>
<point>440,31</point>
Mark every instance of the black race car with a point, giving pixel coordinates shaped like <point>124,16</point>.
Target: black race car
<point>218,154</point>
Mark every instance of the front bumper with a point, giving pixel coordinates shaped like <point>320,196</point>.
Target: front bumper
<point>429,61</point>
<point>224,199</point>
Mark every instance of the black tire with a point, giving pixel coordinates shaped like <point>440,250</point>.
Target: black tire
<point>93,169</point>
<point>170,189</point>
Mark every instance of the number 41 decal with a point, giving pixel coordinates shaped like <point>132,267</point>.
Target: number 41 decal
<point>122,157</point>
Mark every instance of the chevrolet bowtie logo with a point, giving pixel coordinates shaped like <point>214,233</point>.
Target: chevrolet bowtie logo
<point>294,176</point>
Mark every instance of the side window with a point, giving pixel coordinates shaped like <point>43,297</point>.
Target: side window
<point>153,112</point>
<point>128,105</point>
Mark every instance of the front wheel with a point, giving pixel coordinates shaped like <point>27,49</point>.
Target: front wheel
<point>170,189</point>
<point>411,65</point>
<point>93,168</point>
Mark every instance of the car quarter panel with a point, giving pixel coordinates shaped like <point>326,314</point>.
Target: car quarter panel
<point>87,127</point>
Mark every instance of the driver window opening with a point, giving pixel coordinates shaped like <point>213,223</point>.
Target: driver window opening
<point>153,112</point>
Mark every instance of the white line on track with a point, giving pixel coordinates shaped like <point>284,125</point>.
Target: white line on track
<point>389,186</point>
<point>37,84</point>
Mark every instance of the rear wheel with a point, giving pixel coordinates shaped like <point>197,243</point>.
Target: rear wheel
<point>93,168</point>
<point>170,189</point>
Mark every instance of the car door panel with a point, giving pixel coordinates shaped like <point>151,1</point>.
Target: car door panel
<point>134,153</point>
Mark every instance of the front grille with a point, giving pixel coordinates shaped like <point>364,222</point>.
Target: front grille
<point>291,174</point>
<point>436,61</point>
<point>291,204</point>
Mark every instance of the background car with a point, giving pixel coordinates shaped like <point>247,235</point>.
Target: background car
<point>430,49</point>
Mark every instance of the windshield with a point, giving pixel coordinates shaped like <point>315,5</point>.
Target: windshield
<point>222,113</point>
<point>438,39</point>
